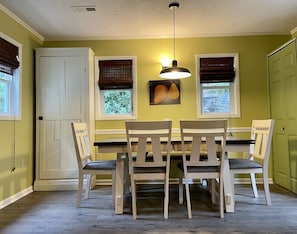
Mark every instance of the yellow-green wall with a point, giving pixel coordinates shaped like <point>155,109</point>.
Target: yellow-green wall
<point>253,72</point>
<point>253,84</point>
<point>22,177</point>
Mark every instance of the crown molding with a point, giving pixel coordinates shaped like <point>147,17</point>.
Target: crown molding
<point>21,22</point>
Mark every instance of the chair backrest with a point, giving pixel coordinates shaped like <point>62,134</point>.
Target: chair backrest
<point>210,133</point>
<point>81,143</point>
<point>261,132</point>
<point>148,140</point>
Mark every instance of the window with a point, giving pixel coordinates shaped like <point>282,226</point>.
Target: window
<point>10,78</point>
<point>218,86</point>
<point>115,87</point>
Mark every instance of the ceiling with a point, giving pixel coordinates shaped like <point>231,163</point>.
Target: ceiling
<point>127,19</point>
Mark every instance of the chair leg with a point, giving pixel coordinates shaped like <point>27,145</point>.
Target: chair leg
<point>88,186</point>
<point>213,191</point>
<point>80,190</point>
<point>133,192</point>
<point>221,198</point>
<point>266,189</point>
<point>181,188</point>
<point>166,199</point>
<point>188,199</point>
<point>254,185</point>
<point>113,178</point>
<point>232,184</point>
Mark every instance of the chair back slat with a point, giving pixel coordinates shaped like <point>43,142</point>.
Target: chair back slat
<point>211,149</point>
<point>157,149</point>
<point>141,149</point>
<point>261,132</point>
<point>195,151</point>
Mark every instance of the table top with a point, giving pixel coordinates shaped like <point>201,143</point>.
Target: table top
<point>123,141</point>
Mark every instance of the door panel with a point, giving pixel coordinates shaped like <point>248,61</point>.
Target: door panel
<point>51,86</point>
<point>74,88</point>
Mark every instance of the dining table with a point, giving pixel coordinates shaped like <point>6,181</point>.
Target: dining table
<point>119,146</point>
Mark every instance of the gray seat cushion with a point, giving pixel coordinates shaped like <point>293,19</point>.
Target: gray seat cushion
<point>238,163</point>
<point>149,158</point>
<point>149,170</point>
<point>101,165</point>
<point>199,169</point>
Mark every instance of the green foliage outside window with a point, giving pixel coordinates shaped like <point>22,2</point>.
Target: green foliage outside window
<point>117,102</point>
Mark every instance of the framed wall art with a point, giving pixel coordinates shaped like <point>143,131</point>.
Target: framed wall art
<point>164,92</point>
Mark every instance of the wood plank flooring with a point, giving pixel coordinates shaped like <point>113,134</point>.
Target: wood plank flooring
<point>55,212</point>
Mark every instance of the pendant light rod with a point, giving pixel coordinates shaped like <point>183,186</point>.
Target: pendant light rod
<point>174,72</point>
<point>173,7</point>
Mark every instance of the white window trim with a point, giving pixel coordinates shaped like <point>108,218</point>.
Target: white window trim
<point>16,113</point>
<point>98,96</point>
<point>236,113</point>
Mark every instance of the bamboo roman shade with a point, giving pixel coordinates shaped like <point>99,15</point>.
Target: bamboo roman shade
<point>8,56</point>
<point>115,74</point>
<point>219,69</point>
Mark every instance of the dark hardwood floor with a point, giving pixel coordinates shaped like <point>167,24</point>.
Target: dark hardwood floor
<point>55,212</point>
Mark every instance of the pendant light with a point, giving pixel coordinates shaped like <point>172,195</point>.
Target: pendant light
<point>174,72</point>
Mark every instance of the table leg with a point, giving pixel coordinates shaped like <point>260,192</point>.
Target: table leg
<point>228,186</point>
<point>122,182</point>
<point>119,190</point>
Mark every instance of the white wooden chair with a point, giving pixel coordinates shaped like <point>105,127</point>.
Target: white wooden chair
<point>86,165</point>
<point>149,159</point>
<point>197,165</point>
<point>258,157</point>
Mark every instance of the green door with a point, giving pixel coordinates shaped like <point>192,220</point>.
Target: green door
<point>283,97</point>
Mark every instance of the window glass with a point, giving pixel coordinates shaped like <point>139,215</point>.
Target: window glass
<point>5,90</point>
<point>117,102</point>
<point>216,97</point>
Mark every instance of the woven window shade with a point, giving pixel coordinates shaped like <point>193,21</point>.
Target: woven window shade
<point>115,74</point>
<point>8,56</point>
<point>213,70</point>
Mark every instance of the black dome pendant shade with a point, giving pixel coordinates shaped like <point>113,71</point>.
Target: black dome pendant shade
<point>174,72</point>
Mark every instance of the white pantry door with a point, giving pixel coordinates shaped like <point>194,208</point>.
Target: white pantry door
<point>60,100</point>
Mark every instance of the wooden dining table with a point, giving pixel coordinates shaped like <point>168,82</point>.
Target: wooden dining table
<point>119,146</point>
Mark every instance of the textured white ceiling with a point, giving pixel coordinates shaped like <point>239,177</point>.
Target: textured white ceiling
<point>119,19</point>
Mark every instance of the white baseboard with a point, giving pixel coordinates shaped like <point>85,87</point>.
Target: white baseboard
<point>55,185</point>
<point>60,185</point>
<point>16,197</point>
